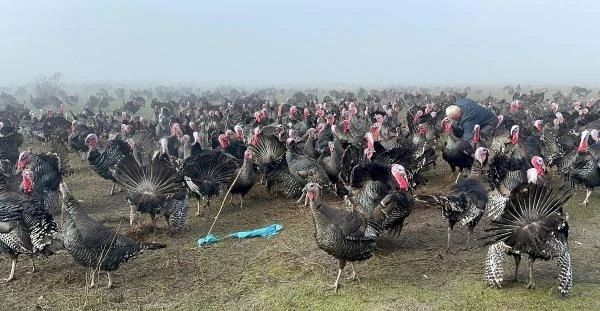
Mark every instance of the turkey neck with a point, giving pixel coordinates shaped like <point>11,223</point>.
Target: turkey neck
<point>247,167</point>
<point>450,141</point>
<point>290,153</point>
<point>316,207</point>
<point>93,153</point>
<point>476,170</point>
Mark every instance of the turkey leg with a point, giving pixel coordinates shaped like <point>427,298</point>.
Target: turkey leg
<point>207,205</point>
<point>449,238</point>
<point>153,219</point>
<point>198,207</point>
<point>110,282</point>
<point>93,275</point>
<point>32,264</point>
<point>531,283</point>
<point>11,276</point>
<point>341,265</point>
<point>585,202</point>
<point>112,190</point>
<point>469,235</point>
<point>353,276</point>
<point>131,215</point>
<point>517,262</point>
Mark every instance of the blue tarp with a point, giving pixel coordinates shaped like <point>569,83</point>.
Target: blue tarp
<point>262,232</point>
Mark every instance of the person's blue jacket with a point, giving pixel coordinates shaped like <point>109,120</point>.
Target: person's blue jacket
<point>473,113</point>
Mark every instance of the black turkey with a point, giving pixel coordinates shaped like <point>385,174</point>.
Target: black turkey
<point>466,200</point>
<point>26,227</point>
<point>154,189</point>
<point>91,244</point>
<point>535,224</point>
<point>104,162</point>
<point>350,236</point>
<point>208,173</point>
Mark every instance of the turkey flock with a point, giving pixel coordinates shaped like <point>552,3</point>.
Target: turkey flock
<point>360,163</point>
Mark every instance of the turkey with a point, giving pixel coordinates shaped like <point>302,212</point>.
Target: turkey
<point>350,236</point>
<point>155,189</point>
<point>330,159</point>
<point>9,147</point>
<point>507,178</point>
<point>466,200</point>
<point>267,151</point>
<point>48,170</point>
<point>303,169</point>
<point>104,162</point>
<point>457,152</point>
<point>584,167</point>
<point>26,227</point>
<point>208,173</point>
<point>244,179</point>
<point>76,139</point>
<point>371,182</point>
<point>91,244</point>
<point>231,145</point>
<point>533,223</point>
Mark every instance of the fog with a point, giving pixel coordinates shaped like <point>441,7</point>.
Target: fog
<point>287,42</point>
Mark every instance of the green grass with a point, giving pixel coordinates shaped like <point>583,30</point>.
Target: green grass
<point>289,272</point>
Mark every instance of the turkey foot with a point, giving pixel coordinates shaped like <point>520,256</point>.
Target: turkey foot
<point>353,276</point>
<point>335,287</point>
<point>110,282</point>
<point>93,283</point>
<point>531,285</point>
<point>586,201</point>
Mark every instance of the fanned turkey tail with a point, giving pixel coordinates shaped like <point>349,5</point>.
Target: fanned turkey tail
<point>533,223</point>
<point>423,163</point>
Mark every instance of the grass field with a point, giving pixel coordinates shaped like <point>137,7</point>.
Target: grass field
<point>288,271</point>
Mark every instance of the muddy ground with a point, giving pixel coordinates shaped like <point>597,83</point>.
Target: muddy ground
<point>288,271</point>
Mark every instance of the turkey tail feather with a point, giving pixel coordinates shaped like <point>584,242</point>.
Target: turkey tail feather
<point>493,265</point>
<point>158,178</point>
<point>565,277</point>
<point>532,206</point>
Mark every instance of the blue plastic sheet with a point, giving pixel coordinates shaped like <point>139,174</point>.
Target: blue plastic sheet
<point>261,232</point>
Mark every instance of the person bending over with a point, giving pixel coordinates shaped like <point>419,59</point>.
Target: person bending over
<point>467,113</point>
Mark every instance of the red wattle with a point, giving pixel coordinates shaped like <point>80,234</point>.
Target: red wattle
<point>27,185</point>
<point>402,183</point>
<point>22,164</point>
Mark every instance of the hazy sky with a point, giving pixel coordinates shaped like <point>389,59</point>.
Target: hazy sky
<point>406,42</point>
